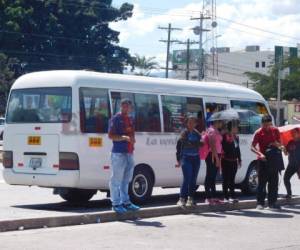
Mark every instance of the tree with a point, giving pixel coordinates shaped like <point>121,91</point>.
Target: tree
<point>143,65</point>
<point>7,76</point>
<point>267,84</point>
<point>63,34</point>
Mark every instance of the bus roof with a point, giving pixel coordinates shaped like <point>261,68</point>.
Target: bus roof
<point>63,78</point>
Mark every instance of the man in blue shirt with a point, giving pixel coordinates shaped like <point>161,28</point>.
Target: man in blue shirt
<point>121,132</point>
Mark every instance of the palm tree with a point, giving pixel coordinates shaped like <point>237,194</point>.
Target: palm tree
<point>142,65</point>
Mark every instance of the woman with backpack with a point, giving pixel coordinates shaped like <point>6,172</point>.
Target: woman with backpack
<point>231,160</point>
<point>187,154</point>
<point>213,147</point>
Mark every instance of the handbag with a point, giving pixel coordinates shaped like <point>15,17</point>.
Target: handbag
<point>274,158</point>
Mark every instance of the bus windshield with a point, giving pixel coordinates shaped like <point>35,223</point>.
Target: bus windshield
<point>40,105</point>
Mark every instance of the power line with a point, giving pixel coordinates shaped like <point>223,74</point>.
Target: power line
<point>189,12</point>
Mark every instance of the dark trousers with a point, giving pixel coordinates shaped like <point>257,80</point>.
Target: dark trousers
<point>267,175</point>
<point>190,166</point>
<point>210,179</point>
<point>229,169</point>
<point>289,172</point>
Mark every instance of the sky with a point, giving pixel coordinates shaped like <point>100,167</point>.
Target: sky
<point>240,22</point>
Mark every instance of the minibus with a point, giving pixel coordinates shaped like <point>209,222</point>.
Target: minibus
<point>57,122</point>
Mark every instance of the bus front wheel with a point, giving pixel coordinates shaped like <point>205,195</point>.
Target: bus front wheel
<point>140,189</point>
<point>74,195</point>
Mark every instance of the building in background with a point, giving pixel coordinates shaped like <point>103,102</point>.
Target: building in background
<point>228,66</point>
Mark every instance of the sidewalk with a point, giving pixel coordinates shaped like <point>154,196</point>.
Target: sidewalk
<point>109,216</point>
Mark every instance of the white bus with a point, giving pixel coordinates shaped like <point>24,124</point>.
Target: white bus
<point>57,122</point>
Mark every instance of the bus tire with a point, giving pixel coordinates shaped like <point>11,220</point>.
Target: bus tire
<point>141,186</point>
<point>74,195</point>
<point>249,186</point>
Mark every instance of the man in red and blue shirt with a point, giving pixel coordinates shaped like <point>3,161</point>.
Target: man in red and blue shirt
<point>121,132</point>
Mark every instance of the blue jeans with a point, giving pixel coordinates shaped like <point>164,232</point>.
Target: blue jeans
<point>122,173</point>
<point>190,166</point>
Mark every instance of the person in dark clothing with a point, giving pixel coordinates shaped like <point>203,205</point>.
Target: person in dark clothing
<point>265,137</point>
<point>231,160</point>
<point>293,151</point>
<point>187,154</point>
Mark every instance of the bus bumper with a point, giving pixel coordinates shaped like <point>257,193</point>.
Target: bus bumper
<point>61,179</point>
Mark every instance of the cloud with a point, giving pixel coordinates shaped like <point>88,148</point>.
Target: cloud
<point>286,7</point>
<point>236,18</point>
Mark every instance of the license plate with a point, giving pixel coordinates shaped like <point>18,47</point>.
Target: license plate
<point>35,163</point>
<point>34,140</point>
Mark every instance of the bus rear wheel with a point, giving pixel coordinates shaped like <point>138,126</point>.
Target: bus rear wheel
<point>141,187</point>
<point>74,195</point>
<point>250,183</point>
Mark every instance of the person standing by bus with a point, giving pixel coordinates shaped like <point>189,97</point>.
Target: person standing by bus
<point>231,160</point>
<point>213,160</point>
<point>187,154</point>
<point>265,137</point>
<point>121,132</point>
<point>293,151</point>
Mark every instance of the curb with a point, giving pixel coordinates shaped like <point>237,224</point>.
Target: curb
<point>103,217</point>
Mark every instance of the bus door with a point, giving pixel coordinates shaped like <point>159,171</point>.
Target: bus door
<point>175,109</point>
<point>94,155</point>
<point>212,105</point>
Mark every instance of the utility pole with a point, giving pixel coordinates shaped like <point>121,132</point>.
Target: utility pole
<point>188,56</point>
<point>200,30</point>
<point>187,75</point>
<point>279,75</point>
<point>168,41</point>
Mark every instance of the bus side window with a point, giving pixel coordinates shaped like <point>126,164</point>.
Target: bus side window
<point>147,113</point>
<point>177,108</point>
<point>145,110</point>
<point>250,113</point>
<point>212,107</point>
<point>94,110</point>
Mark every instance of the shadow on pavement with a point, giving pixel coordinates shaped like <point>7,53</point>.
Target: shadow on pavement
<point>259,214</point>
<point>211,215</point>
<point>144,223</point>
<point>104,205</point>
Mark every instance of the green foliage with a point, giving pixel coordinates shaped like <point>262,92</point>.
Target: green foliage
<point>7,76</point>
<point>144,65</point>
<point>63,34</point>
<point>267,84</point>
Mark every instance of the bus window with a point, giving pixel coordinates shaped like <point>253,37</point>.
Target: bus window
<point>116,98</point>
<point>147,113</point>
<point>40,105</point>
<point>257,107</point>
<point>212,107</point>
<point>145,110</point>
<point>94,110</point>
<point>249,121</point>
<point>177,108</point>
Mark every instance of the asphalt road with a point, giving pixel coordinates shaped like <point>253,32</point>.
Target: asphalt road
<point>30,202</point>
<point>234,230</point>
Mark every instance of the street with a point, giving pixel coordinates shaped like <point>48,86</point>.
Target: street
<point>221,230</point>
<point>249,229</point>
<point>18,202</point>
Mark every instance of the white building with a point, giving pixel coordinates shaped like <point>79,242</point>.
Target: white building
<point>225,66</point>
